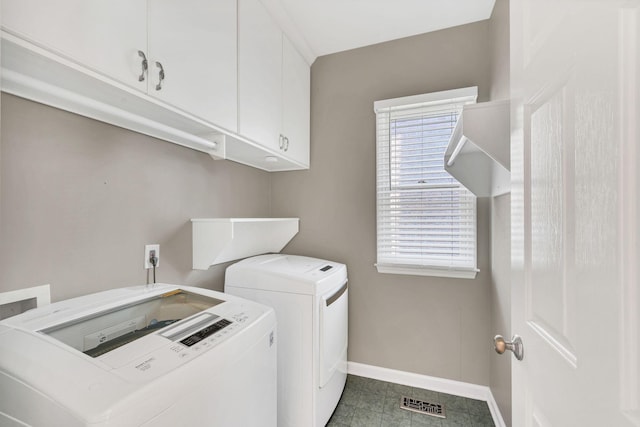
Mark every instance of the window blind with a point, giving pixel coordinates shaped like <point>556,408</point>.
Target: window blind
<point>426,220</point>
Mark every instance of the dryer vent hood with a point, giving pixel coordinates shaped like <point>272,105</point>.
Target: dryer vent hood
<point>478,155</point>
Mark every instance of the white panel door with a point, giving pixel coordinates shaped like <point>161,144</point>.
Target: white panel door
<point>296,102</point>
<point>195,43</point>
<point>259,74</point>
<point>102,35</point>
<point>575,187</point>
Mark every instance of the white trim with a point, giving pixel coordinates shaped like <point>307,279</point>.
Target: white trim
<point>290,29</point>
<point>427,271</point>
<point>442,385</point>
<point>427,98</point>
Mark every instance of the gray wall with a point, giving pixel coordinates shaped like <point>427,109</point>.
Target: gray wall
<point>431,326</point>
<point>500,57</point>
<point>80,199</point>
<point>500,366</point>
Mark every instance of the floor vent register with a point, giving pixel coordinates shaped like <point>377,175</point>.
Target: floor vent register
<point>422,407</point>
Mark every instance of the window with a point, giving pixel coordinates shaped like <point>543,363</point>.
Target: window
<point>426,220</point>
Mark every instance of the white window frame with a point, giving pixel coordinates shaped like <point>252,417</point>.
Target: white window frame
<point>399,264</point>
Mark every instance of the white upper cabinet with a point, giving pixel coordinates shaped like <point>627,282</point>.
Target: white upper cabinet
<point>296,103</point>
<point>218,76</point>
<point>273,85</point>
<point>193,42</point>
<point>259,74</point>
<point>101,35</point>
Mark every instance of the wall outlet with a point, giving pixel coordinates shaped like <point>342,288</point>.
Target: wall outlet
<point>150,250</point>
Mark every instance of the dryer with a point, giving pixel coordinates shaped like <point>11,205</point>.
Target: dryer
<point>156,355</point>
<point>310,298</point>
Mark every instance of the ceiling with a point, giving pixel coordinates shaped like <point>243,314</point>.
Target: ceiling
<point>329,26</point>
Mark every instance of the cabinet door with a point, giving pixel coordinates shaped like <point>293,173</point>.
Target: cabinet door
<point>195,42</point>
<point>296,97</point>
<point>104,36</point>
<point>259,74</point>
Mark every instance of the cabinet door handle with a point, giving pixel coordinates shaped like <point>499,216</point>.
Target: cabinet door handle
<point>286,143</point>
<point>145,66</point>
<point>160,76</point>
<point>281,142</point>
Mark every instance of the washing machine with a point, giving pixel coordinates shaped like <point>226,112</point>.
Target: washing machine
<point>157,355</point>
<point>310,298</point>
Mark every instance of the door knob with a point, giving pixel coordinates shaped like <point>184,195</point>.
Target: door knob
<point>516,346</point>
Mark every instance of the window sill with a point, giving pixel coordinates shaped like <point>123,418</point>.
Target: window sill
<point>427,271</point>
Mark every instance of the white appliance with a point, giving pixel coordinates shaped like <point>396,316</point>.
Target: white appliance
<point>310,298</point>
<point>156,355</point>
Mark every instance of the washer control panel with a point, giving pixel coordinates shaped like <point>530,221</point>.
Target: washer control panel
<point>205,332</point>
<point>186,340</point>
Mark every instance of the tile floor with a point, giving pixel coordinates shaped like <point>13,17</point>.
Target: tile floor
<point>371,403</point>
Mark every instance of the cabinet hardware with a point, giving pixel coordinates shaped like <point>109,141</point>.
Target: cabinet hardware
<point>160,76</point>
<point>145,65</point>
<point>286,143</point>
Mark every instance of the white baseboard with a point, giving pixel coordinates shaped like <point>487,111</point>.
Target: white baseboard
<point>442,385</point>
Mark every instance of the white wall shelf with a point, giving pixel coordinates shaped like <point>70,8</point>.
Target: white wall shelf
<point>218,240</point>
<point>478,155</point>
<point>21,300</point>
